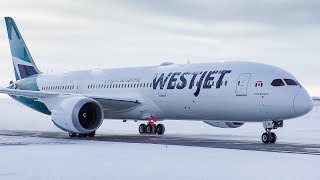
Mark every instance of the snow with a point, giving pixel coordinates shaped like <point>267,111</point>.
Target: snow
<point>46,158</point>
<point>104,160</point>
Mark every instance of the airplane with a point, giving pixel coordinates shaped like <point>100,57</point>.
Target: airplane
<point>221,94</point>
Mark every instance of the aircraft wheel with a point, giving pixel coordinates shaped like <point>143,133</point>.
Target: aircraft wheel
<point>91,134</point>
<point>142,128</point>
<point>150,129</point>
<point>72,134</point>
<point>266,137</point>
<point>160,129</point>
<point>273,138</point>
<point>154,128</point>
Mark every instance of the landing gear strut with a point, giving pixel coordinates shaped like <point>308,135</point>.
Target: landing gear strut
<point>152,128</point>
<point>91,134</point>
<point>268,136</point>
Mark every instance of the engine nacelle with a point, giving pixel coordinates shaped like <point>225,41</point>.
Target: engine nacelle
<point>78,114</point>
<point>224,124</point>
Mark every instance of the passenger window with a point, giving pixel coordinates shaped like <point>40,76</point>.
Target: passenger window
<point>291,82</point>
<point>277,82</point>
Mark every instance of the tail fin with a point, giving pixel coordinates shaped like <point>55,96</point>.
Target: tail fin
<point>23,63</point>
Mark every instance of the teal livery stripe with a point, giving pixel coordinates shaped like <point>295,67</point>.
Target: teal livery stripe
<point>23,63</point>
<point>17,45</point>
<point>30,83</point>
<point>33,103</point>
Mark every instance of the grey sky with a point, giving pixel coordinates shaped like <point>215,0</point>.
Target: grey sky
<point>69,35</point>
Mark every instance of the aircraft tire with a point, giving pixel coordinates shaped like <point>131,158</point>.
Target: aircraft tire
<point>150,129</point>
<point>160,129</point>
<point>72,134</point>
<point>266,137</point>
<point>91,134</point>
<point>273,138</point>
<point>142,128</point>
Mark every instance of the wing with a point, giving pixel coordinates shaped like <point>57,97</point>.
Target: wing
<point>108,103</point>
<point>27,93</point>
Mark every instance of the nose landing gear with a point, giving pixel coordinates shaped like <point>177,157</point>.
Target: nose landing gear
<point>268,136</point>
<point>152,128</point>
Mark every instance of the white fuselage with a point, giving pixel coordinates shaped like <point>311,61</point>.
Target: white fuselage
<point>244,92</point>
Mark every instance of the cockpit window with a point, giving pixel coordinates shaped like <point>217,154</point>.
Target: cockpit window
<point>277,82</point>
<point>291,82</point>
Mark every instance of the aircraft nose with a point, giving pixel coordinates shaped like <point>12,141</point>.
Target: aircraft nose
<point>302,103</point>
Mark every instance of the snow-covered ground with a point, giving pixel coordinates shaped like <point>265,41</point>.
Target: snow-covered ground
<point>103,160</point>
<point>42,158</point>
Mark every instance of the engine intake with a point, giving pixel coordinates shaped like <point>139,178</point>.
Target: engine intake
<point>78,114</point>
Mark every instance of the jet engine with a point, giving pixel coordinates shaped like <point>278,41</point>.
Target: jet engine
<point>78,114</point>
<point>224,124</point>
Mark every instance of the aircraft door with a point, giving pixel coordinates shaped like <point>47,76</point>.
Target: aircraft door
<point>242,84</point>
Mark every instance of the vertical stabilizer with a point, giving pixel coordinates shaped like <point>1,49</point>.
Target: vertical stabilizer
<point>23,63</point>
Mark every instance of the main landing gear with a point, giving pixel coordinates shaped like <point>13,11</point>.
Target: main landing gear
<point>268,136</point>
<point>152,128</point>
<point>91,134</point>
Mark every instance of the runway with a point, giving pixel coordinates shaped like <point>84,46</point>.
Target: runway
<point>312,149</point>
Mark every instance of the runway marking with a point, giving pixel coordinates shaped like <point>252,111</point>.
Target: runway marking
<point>294,148</point>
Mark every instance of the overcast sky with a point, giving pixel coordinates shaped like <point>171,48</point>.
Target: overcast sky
<point>67,35</point>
